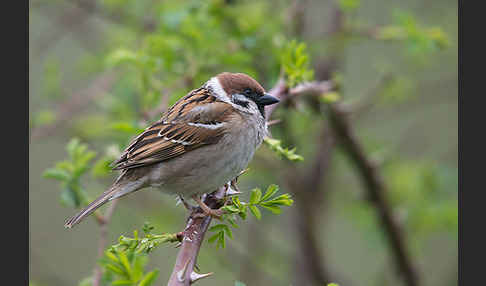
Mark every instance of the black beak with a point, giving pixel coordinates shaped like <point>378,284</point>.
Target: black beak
<point>267,99</point>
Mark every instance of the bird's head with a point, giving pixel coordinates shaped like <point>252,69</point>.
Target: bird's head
<point>242,91</point>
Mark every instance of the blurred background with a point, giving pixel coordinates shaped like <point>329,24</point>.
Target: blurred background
<point>101,70</point>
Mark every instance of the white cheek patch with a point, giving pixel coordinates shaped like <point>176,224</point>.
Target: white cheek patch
<point>218,90</point>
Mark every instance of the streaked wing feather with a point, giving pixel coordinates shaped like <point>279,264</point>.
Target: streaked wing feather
<point>194,121</point>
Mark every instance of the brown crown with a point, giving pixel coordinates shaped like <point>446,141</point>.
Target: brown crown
<point>233,83</point>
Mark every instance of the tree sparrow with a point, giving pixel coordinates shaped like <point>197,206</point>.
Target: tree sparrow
<point>204,140</point>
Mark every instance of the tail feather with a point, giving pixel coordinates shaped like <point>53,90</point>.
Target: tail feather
<point>116,191</point>
<point>101,200</point>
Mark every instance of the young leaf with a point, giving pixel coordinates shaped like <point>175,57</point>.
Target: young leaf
<point>255,196</point>
<point>149,278</point>
<point>271,190</point>
<point>273,209</point>
<point>255,211</point>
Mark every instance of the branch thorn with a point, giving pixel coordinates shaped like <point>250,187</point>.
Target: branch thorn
<point>196,276</point>
<point>181,274</point>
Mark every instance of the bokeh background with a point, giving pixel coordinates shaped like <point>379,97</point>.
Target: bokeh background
<point>99,70</point>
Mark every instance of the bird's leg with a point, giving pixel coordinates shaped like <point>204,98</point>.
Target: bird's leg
<point>207,210</point>
<point>187,205</point>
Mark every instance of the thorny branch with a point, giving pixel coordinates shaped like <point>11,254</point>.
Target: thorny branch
<point>193,236</point>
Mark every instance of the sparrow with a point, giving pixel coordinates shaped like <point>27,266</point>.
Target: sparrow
<point>202,142</point>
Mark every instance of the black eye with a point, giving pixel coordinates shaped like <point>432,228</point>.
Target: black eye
<point>248,91</point>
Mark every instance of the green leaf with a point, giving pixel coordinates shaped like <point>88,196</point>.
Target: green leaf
<point>273,209</point>
<point>122,282</point>
<point>218,227</point>
<point>149,278</point>
<point>231,209</point>
<point>115,269</point>
<point>213,238</point>
<point>112,257</point>
<point>271,190</point>
<point>126,264</point>
<point>276,146</point>
<point>221,240</point>
<point>255,196</point>
<point>69,198</point>
<point>55,173</point>
<point>255,211</point>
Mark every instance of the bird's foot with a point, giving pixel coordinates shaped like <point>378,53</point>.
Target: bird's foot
<point>207,211</point>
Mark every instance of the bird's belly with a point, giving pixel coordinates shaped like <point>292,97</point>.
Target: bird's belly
<point>207,168</point>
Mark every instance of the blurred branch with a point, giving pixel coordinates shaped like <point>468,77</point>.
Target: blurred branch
<point>103,224</point>
<point>376,191</point>
<point>76,103</point>
<point>308,189</point>
<point>374,183</point>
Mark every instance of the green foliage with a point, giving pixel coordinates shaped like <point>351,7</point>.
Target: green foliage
<point>295,63</point>
<point>332,284</point>
<point>349,5</point>
<point>144,244</point>
<point>122,268</point>
<point>69,173</point>
<point>124,263</point>
<point>276,146</point>
<point>426,194</point>
<point>235,208</point>
<point>419,40</point>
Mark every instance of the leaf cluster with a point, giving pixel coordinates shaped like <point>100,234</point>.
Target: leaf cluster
<point>69,172</point>
<point>276,146</point>
<point>295,63</point>
<point>124,263</point>
<point>237,208</point>
<point>418,39</point>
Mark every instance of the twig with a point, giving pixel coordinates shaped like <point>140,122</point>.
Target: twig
<point>102,241</point>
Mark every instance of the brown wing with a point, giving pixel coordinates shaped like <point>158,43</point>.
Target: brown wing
<point>196,120</point>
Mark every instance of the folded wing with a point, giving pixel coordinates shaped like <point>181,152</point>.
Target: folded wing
<point>196,120</point>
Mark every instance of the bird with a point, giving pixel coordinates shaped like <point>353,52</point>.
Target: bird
<point>203,141</point>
